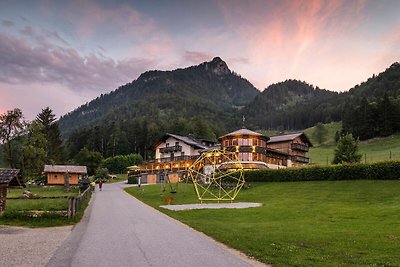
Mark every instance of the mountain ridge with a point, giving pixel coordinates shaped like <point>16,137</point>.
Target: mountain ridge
<point>208,100</point>
<point>211,85</point>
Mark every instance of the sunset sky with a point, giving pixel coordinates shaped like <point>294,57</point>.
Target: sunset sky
<point>64,53</point>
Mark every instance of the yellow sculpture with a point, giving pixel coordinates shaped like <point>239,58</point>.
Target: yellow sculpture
<point>217,176</point>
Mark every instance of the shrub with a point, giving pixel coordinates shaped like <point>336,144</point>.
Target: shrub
<point>119,163</point>
<point>132,180</point>
<point>388,170</point>
<point>101,174</point>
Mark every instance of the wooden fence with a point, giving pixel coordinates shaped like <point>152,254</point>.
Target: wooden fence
<point>75,202</point>
<point>3,197</point>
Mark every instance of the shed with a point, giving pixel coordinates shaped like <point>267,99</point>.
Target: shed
<point>55,173</point>
<point>8,178</point>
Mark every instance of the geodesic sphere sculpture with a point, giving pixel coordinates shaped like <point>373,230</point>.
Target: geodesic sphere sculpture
<point>217,176</point>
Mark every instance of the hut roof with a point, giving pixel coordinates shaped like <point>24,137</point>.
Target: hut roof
<point>65,168</point>
<point>289,137</point>
<point>242,132</point>
<point>189,140</point>
<point>11,177</point>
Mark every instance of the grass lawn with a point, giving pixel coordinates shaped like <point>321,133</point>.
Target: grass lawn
<point>44,191</point>
<point>330,223</point>
<point>16,209</point>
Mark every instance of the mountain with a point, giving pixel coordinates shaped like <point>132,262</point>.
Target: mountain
<point>209,100</point>
<point>205,90</point>
<point>292,105</point>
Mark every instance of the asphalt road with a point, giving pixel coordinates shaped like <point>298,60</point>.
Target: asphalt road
<point>119,230</point>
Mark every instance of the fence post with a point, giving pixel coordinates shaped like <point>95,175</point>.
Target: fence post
<point>69,212</point>
<point>75,202</point>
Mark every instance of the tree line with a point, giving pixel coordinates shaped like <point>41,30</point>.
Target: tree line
<point>28,146</point>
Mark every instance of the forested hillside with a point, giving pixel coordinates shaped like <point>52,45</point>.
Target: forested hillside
<point>208,100</point>
<point>201,100</point>
<point>210,91</point>
<point>373,108</point>
<point>292,105</point>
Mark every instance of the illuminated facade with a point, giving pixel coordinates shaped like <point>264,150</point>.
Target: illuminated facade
<point>174,154</point>
<point>252,150</point>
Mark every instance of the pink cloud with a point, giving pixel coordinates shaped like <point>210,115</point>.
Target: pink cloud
<point>90,17</point>
<point>294,37</point>
<point>196,57</point>
<point>23,63</point>
<point>40,95</point>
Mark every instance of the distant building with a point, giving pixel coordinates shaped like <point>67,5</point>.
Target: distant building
<point>55,173</point>
<point>252,150</point>
<point>296,145</point>
<point>173,156</point>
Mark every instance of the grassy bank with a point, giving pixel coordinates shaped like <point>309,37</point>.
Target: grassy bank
<point>374,150</point>
<point>330,223</point>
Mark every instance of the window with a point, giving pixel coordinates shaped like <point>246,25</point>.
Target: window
<point>183,153</point>
<point>245,142</point>
<point>245,156</point>
<point>176,143</point>
<point>167,145</point>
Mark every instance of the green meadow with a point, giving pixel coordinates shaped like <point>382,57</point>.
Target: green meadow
<point>377,149</point>
<point>329,223</point>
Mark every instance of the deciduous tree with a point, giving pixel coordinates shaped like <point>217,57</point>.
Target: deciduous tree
<point>347,150</point>
<point>12,126</point>
<point>34,151</point>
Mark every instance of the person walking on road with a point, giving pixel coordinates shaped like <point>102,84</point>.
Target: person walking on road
<point>100,184</point>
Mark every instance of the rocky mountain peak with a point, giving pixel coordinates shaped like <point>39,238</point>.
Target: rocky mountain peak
<point>217,66</point>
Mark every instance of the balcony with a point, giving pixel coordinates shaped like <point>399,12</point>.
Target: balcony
<point>178,158</point>
<point>300,159</point>
<point>170,149</point>
<point>300,147</point>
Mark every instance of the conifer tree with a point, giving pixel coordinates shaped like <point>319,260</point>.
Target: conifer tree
<point>54,148</point>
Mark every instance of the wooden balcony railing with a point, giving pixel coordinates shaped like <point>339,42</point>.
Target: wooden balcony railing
<point>300,159</point>
<point>170,149</point>
<point>301,147</point>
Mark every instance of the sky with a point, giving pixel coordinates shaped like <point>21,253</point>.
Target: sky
<point>63,54</point>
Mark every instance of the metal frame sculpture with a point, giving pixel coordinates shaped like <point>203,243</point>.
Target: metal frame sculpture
<point>208,175</point>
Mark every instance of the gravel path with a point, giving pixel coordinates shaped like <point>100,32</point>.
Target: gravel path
<point>119,230</point>
<point>30,247</point>
<point>237,205</point>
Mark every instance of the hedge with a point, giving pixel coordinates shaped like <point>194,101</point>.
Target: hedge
<point>388,170</point>
<point>132,179</point>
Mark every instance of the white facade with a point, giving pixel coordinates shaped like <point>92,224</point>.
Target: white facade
<point>185,150</point>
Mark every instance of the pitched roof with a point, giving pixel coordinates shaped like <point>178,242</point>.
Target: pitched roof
<point>289,137</point>
<point>65,168</point>
<point>8,175</point>
<point>243,131</point>
<point>186,139</point>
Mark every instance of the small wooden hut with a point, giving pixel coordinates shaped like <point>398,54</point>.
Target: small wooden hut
<point>56,173</point>
<point>8,178</point>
